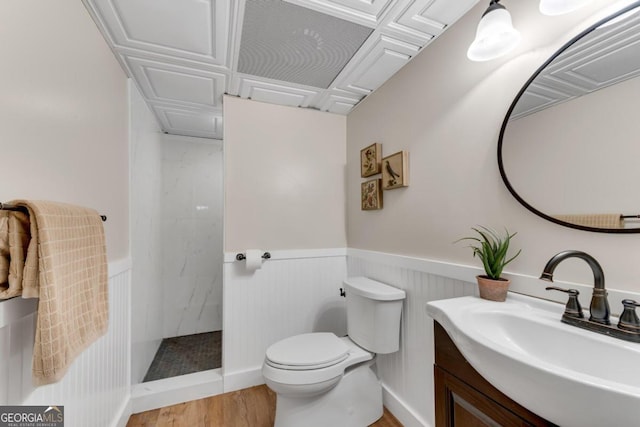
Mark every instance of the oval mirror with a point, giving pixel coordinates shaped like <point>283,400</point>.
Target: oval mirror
<point>569,147</point>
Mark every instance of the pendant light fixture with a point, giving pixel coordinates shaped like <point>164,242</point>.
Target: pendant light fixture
<point>495,35</point>
<point>560,7</point>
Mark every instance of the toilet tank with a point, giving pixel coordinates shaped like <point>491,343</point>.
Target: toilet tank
<point>373,314</point>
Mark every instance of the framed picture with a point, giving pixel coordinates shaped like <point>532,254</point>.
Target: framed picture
<point>395,171</point>
<point>370,160</point>
<point>371,192</point>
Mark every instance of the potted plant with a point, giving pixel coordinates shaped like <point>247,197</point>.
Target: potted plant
<point>492,250</point>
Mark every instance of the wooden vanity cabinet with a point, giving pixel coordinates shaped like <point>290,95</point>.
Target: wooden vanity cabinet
<point>465,399</point>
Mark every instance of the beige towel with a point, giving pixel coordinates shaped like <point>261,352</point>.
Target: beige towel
<point>594,220</point>
<point>14,238</point>
<point>66,268</point>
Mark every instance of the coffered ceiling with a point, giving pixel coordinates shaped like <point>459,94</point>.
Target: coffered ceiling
<point>324,54</point>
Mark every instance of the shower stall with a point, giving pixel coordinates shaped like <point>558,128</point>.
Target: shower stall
<point>177,252</point>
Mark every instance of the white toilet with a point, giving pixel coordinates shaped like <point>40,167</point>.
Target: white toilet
<point>323,380</point>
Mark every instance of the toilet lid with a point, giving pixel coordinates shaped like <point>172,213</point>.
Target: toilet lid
<point>316,350</point>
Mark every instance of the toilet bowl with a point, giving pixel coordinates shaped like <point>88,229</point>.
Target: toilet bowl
<point>289,373</point>
<point>321,379</point>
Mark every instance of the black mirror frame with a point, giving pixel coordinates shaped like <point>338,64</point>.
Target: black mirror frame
<point>510,110</point>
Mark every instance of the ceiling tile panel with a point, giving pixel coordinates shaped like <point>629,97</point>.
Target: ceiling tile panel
<point>154,22</point>
<point>275,93</point>
<point>170,83</point>
<point>364,12</point>
<point>413,23</point>
<point>536,98</point>
<point>375,63</point>
<point>294,44</point>
<point>339,102</point>
<point>190,122</point>
<point>191,29</point>
<point>185,54</point>
<point>420,21</point>
<point>444,12</point>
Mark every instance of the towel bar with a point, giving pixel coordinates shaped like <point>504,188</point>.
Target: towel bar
<point>8,207</point>
<point>241,257</point>
<point>630,216</point>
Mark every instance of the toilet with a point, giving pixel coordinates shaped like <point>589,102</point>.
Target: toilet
<point>321,379</point>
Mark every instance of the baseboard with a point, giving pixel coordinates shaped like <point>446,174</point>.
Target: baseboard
<point>171,391</point>
<point>404,414</point>
<point>123,414</point>
<point>243,379</point>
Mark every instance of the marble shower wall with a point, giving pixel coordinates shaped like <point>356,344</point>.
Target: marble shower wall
<point>147,296</point>
<point>192,200</point>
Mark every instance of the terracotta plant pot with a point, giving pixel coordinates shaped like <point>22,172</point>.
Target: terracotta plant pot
<point>494,290</point>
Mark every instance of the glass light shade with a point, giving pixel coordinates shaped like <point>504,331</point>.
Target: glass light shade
<point>495,36</point>
<point>560,7</point>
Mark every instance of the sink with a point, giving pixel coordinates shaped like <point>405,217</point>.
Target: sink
<point>570,376</point>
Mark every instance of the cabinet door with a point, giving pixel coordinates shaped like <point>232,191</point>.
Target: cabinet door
<point>460,405</point>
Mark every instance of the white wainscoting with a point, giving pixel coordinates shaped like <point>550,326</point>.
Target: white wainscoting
<point>407,375</point>
<point>95,391</point>
<point>294,292</point>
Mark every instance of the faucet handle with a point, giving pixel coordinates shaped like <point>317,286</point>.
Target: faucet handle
<point>629,319</point>
<point>573,307</point>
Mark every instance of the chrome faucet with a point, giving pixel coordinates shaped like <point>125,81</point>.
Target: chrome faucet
<point>599,307</point>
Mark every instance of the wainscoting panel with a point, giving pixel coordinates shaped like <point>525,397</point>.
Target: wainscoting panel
<point>407,375</point>
<point>95,391</point>
<point>294,292</point>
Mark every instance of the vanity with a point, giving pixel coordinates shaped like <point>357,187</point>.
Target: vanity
<point>464,398</point>
<point>490,355</point>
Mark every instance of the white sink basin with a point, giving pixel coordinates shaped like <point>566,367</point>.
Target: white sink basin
<point>570,376</point>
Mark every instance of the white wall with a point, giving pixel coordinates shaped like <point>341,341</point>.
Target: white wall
<point>284,177</point>
<point>192,229</point>
<point>64,113</point>
<point>285,193</point>
<point>64,137</point>
<point>147,292</point>
<point>447,112</point>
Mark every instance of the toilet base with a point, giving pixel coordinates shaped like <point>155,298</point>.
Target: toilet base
<point>356,401</point>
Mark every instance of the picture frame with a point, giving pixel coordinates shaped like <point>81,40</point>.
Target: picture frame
<point>371,195</point>
<point>395,170</point>
<point>370,160</point>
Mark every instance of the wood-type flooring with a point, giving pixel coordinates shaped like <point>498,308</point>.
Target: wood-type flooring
<point>250,407</point>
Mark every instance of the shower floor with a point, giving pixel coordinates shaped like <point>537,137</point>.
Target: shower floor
<point>185,355</point>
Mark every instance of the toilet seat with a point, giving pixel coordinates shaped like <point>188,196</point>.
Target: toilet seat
<point>307,351</point>
<point>292,374</point>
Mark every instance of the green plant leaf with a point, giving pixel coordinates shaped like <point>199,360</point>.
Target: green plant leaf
<point>492,249</point>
